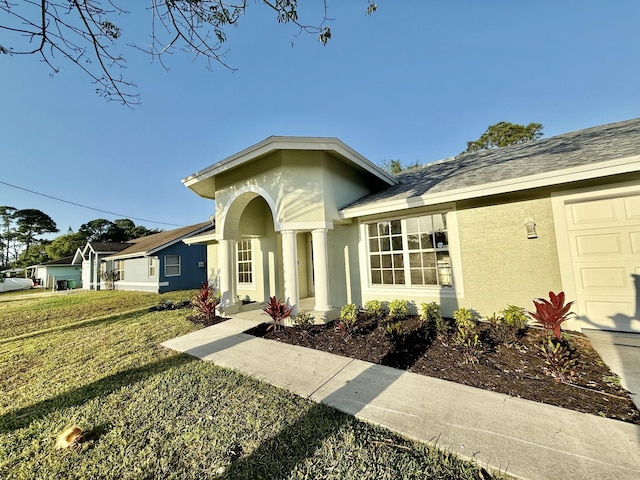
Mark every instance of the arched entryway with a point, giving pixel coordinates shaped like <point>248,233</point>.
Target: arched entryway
<point>259,255</point>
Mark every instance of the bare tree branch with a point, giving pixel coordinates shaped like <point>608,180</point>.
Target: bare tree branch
<point>82,32</point>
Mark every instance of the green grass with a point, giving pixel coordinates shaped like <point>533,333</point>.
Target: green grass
<point>26,314</point>
<point>148,412</point>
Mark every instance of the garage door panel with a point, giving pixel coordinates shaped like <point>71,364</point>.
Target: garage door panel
<point>604,277</point>
<point>634,240</point>
<point>598,244</point>
<point>604,244</point>
<point>632,207</point>
<point>597,211</point>
<point>609,314</point>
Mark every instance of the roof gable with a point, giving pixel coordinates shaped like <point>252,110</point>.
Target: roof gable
<point>272,144</point>
<point>153,243</point>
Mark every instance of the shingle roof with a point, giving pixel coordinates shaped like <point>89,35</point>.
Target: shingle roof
<point>60,261</point>
<point>143,245</point>
<point>582,147</point>
<point>105,247</point>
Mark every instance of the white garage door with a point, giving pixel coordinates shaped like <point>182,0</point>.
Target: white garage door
<point>604,238</point>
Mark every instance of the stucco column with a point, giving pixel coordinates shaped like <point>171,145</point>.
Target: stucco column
<point>95,269</point>
<point>290,268</point>
<point>227,277</point>
<point>321,269</point>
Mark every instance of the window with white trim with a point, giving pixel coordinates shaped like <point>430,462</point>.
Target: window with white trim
<point>120,269</point>
<point>411,251</point>
<point>172,265</point>
<point>245,261</point>
<point>152,267</point>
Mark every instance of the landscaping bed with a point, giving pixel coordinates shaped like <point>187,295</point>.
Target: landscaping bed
<point>515,367</point>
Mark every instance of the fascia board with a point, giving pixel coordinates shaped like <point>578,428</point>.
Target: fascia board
<point>176,240</point>
<point>547,179</point>
<point>201,239</point>
<point>273,144</point>
<point>128,255</point>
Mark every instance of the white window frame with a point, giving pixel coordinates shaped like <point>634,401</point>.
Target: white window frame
<point>246,261</point>
<point>152,267</point>
<point>167,264</point>
<point>119,268</point>
<point>454,290</point>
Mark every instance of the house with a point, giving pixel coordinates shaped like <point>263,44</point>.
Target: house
<point>89,258</point>
<point>160,262</point>
<point>301,217</point>
<point>59,274</point>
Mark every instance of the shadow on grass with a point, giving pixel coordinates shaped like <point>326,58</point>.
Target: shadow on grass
<point>21,418</point>
<point>76,324</point>
<point>279,455</point>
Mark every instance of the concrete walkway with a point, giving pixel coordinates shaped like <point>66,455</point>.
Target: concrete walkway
<point>522,438</point>
<point>621,352</point>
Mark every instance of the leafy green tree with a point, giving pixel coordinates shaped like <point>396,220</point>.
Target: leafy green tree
<point>505,133</point>
<point>86,33</point>
<point>65,245</point>
<point>395,166</point>
<point>36,254</point>
<point>31,222</point>
<point>124,229</point>
<point>120,230</point>
<point>96,230</point>
<point>6,235</point>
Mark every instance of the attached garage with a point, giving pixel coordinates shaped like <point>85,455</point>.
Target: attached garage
<point>599,252</point>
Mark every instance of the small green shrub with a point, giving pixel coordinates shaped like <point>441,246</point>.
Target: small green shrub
<point>348,318</point>
<point>465,336</point>
<point>349,313</point>
<point>558,359</point>
<point>465,318</point>
<point>431,316</point>
<point>304,320</point>
<point>375,309</point>
<point>398,309</point>
<point>394,331</point>
<point>514,317</point>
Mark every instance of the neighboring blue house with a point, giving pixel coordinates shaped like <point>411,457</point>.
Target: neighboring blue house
<point>161,262</point>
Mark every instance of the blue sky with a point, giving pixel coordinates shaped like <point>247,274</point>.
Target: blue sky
<point>415,81</point>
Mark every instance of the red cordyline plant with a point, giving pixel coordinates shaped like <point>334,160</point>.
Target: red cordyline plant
<point>206,301</point>
<point>278,311</point>
<point>551,314</point>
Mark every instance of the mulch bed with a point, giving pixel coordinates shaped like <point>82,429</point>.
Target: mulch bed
<point>516,368</point>
<point>206,322</point>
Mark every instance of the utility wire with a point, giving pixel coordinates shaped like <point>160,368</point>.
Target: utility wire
<point>90,208</point>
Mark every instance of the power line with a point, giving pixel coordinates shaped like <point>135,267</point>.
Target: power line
<point>90,208</point>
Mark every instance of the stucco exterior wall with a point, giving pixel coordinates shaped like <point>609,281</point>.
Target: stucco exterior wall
<point>344,266</point>
<point>500,265</point>
<point>136,276</point>
<point>51,273</point>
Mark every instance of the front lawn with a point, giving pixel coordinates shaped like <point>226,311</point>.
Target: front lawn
<point>148,412</point>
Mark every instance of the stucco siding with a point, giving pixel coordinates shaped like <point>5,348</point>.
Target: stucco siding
<point>342,185</point>
<point>500,265</point>
<point>136,276</point>
<point>344,266</point>
<point>48,274</point>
